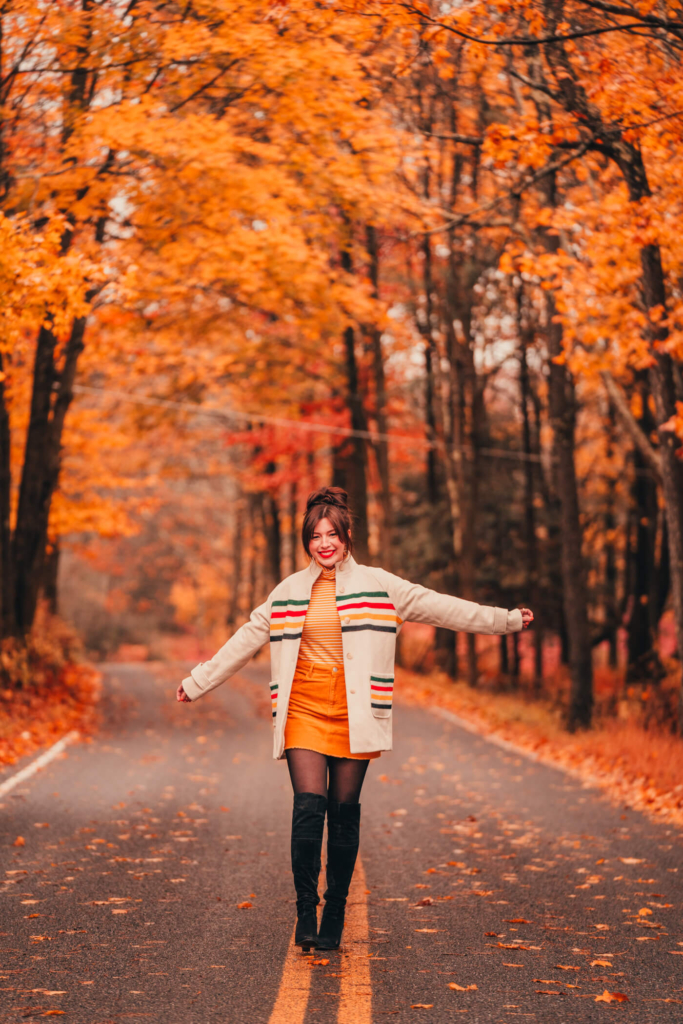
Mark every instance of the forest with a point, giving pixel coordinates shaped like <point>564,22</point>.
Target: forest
<point>426,251</point>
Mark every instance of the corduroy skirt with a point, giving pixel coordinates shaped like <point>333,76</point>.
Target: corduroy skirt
<point>318,716</point>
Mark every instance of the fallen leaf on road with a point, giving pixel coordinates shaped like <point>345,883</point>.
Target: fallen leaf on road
<point>29,916</point>
<point>512,945</point>
<point>176,880</point>
<point>462,988</point>
<point>426,901</point>
<point>491,935</point>
<point>564,967</point>
<point>602,927</point>
<point>421,1006</point>
<point>41,824</point>
<point>120,910</point>
<point>644,912</point>
<point>632,860</point>
<point>481,892</point>
<point>612,997</point>
<point>676,952</point>
<point>19,841</point>
<point>546,981</point>
<point>547,992</point>
<point>456,863</point>
<point>396,814</point>
<point>52,1013</point>
<point>320,963</point>
<point>648,938</point>
<point>601,963</point>
<point>28,903</point>
<point>518,965</point>
<point>428,930</point>
<point>53,992</point>
<point>244,906</point>
<point>516,920</point>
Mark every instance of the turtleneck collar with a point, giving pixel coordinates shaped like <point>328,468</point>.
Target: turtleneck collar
<point>328,574</point>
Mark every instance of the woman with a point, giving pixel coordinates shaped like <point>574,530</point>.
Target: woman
<point>332,629</point>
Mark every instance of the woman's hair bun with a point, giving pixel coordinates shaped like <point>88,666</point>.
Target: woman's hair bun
<point>335,496</point>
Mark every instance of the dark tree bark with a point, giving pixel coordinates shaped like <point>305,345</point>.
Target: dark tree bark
<point>381,446</point>
<point>350,457</point>
<point>561,402</point>
<point>6,566</point>
<point>50,401</point>
<point>237,562</point>
<point>271,525</point>
<point>533,581</point>
<point>49,588</point>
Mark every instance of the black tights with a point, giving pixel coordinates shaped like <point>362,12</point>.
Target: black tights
<point>308,771</point>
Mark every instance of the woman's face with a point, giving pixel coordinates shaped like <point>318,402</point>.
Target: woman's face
<point>326,545</point>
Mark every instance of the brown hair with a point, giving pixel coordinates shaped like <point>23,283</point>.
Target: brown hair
<point>328,503</point>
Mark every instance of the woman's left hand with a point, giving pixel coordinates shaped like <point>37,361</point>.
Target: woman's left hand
<point>527,617</point>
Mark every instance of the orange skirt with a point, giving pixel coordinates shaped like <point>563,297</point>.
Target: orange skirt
<point>318,716</point>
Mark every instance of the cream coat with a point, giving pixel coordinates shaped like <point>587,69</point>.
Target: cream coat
<point>372,604</point>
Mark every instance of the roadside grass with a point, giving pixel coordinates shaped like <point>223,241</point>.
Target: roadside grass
<point>638,762</point>
<point>45,689</point>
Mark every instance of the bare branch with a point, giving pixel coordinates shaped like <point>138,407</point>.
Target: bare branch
<point>621,407</point>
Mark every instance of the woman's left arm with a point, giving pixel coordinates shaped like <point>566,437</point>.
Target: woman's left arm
<point>415,603</point>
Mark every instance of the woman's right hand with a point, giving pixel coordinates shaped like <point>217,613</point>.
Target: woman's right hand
<point>181,696</point>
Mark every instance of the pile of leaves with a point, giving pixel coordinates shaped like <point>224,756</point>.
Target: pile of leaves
<point>45,688</point>
<point>639,767</point>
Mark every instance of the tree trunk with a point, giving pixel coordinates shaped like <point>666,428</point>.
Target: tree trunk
<point>562,410</point>
<point>532,573</point>
<point>49,588</point>
<point>7,625</point>
<point>350,457</point>
<point>42,463</point>
<point>236,580</point>
<point>382,446</point>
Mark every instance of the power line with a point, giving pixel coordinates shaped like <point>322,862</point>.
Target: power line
<point>313,428</point>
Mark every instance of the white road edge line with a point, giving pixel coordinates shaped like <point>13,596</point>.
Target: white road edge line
<point>48,755</point>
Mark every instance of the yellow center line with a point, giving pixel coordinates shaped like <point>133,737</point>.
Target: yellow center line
<point>355,996</point>
<point>295,984</point>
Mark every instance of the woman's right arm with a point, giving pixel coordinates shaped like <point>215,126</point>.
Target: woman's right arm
<point>233,655</point>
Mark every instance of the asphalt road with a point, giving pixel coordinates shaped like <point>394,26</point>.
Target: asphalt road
<point>479,869</point>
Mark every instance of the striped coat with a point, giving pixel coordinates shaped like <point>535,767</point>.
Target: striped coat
<point>372,605</point>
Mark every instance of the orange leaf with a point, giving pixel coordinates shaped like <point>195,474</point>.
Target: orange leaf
<point>516,920</point>
<point>612,997</point>
<point>421,1006</point>
<point>244,906</point>
<point>601,963</point>
<point>462,988</point>
<point>320,963</point>
<point>563,967</point>
<point>19,841</point>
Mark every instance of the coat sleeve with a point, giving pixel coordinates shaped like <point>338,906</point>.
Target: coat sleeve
<point>418,604</point>
<point>233,655</point>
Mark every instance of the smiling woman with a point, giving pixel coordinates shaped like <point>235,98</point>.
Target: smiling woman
<point>332,630</point>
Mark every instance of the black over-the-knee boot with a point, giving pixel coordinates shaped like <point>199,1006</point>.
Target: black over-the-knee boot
<point>308,822</point>
<point>343,832</point>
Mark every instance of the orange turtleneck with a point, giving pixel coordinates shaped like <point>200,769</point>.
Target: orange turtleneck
<point>321,636</point>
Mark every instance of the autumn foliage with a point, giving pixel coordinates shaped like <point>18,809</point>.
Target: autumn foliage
<point>430,254</point>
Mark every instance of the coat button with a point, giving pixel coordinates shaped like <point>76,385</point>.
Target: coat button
<point>349,656</point>
<point>347,620</point>
<point>352,691</point>
<point>341,590</point>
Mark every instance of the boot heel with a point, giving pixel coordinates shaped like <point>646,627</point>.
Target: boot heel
<point>306,933</point>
